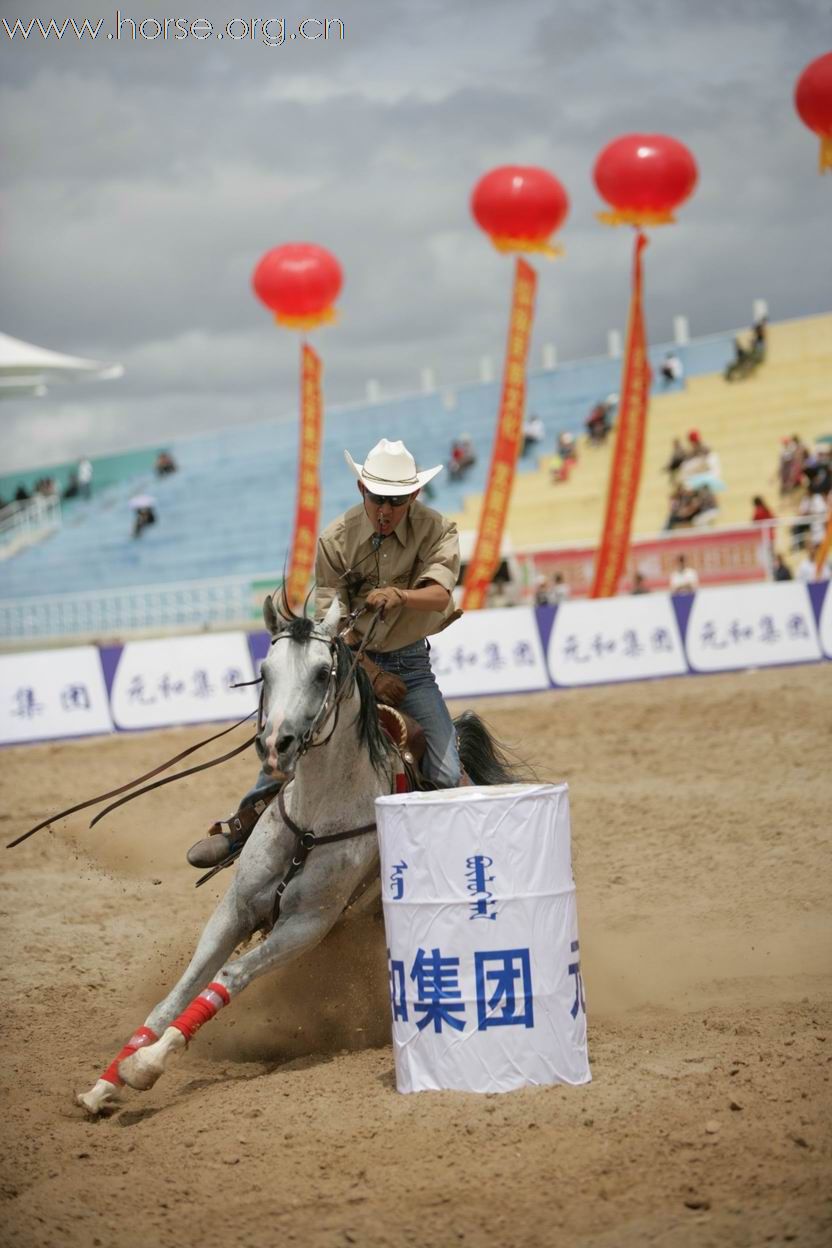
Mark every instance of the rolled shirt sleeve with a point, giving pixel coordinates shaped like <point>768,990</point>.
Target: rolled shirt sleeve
<point>442,561</point>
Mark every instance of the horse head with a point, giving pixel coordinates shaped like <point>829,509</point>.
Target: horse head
<point>300,675</point>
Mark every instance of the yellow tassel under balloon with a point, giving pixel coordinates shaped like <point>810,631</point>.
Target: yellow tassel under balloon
<point>506,243</point>
<point>825,163</point>
<point>328,317</point>
<point>635,216</point>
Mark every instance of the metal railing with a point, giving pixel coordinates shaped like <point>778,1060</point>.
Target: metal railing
<point>225,602</point>
<point>24,522</point>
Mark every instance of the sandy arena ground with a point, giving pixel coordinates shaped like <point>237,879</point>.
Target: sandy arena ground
<point>701,839</point>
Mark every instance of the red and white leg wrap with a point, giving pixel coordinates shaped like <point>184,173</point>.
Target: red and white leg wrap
<point>201,1009</point>
<point>137,1041</point>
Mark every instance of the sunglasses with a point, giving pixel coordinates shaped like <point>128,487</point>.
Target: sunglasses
<point>378,500</point>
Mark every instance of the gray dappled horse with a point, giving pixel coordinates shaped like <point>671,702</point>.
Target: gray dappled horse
<point>313,696</point>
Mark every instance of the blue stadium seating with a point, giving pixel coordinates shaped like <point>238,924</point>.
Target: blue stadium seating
<point>229,510</point>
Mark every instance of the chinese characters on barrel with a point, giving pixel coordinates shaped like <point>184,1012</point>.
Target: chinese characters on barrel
<point>504,989</point>
<point>475,869</point>
<point>397,880</point>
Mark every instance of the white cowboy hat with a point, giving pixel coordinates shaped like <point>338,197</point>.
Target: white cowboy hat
<point>390,469</point>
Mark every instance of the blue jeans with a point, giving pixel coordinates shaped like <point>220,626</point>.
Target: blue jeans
<point>425,703</point>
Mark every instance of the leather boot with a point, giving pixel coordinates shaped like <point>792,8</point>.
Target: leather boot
<point>227,837</point>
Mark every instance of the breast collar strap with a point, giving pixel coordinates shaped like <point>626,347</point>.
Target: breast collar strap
<point>306,841</point>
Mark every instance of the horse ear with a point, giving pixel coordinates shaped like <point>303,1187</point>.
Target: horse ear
<point>270,615</point>
<point>333,616</point>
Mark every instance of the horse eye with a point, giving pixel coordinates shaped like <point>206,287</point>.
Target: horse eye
<point>322,674</point>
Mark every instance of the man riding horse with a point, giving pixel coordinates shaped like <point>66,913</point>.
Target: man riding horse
<point>392,554</point>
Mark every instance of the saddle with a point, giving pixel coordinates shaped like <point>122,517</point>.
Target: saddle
<point>226,837</point>
<point>406,733</point>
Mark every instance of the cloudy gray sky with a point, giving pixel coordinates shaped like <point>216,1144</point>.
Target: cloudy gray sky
<point>142,181</point>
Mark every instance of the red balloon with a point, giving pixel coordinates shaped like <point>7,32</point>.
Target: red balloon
<point>813,101</point>
<point>519,207</point>
<point>299,282</point>
<point>644,177</point>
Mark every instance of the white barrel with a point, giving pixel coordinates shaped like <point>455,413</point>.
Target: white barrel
<point>482,936</point>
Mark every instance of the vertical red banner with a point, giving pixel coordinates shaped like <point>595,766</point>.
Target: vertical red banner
<point>625,473</point>
<point>486,557</point>
<point>307,513</point>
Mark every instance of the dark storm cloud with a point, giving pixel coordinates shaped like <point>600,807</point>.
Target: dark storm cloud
<point>143,181</point>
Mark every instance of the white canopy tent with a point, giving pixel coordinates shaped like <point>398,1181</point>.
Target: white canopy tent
<point>29,370</point>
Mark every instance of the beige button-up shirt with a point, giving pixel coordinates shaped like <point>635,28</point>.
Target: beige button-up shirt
<point>424,546</point>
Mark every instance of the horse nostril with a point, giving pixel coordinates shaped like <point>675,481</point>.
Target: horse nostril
<point>284,742</point>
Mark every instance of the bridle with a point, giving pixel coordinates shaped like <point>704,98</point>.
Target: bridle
<point>333,697</point>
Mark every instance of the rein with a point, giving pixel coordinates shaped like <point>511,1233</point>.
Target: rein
<point>326,709</point>
<point>131,784</point>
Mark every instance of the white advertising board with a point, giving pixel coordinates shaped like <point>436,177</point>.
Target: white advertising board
<point>52,693</point>
<point>182,680</point>
<point>752,626</point>
<point>496,651</point>
<point>484,960</point>
<point>826,624</point>
<point>613,639</point>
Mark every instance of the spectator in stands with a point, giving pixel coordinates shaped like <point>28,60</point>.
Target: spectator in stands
<point>683,578</point>
<point>559,590</point>
<point>817,470</point>
<point>697,449</point>
<point>72,488</point>
<point>707,507</point>
<point>559,469</point>
<point>541,592</point>
<point>672,369</point>
<point>566,447</point>
<point>759,335</point>
<point>742,363</point>
<point>21,494</point>
<point>678,455</point>
<point>462,457</point>
<point>640,585</point>
<point>85,478</point>
<point>597,424</point>
<point>781,570</point>
<point>3,503</point>
<point>814,506</point>
<point>807,570</point>
<point>684,505</point>
<point>165,464</point>
<point>144,517</point>
<point>534,431</point>
<point>761,510</point>
<point>793,456</point>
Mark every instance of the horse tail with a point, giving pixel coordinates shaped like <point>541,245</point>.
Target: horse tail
<point>486,760</point>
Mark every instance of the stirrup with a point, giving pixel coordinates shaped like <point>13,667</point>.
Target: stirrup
<point>227,837</point>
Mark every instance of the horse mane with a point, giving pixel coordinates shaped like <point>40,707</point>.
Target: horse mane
<point>370,733</point>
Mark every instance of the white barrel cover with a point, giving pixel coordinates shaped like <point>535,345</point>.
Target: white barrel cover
<point>482,936</point>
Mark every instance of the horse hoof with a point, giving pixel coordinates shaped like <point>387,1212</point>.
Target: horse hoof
<point>138,1072</point>
<point>101,1099</point>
